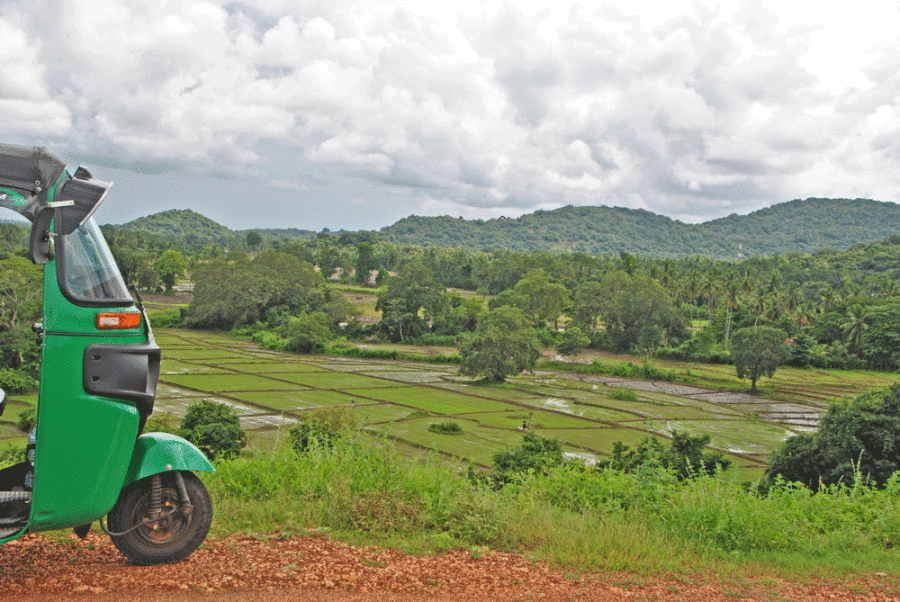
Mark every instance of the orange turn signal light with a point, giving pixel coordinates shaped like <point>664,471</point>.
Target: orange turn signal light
<point>118,321</point>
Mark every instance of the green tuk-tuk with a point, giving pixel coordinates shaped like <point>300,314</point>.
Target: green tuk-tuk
<point>87,458</point>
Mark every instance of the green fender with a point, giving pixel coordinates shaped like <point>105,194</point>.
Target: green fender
<point>162,452</point>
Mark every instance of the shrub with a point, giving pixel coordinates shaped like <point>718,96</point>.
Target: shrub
<point>307,333</point>
<point>573,341</point>
<point>27,420</point>
<point>445,428</point>
<point>623,394</point>
<point>322,430</point>
<point>438,340</point>
<point>535,454</point>
<point>166,318</point>
<point>685,457</point>
<point>214,428</point>
<point>270,340</point>
<point>16,381</point>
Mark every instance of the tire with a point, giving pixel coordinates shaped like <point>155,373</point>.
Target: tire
<point>169,540</point>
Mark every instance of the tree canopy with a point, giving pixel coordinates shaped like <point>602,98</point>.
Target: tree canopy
<point>757,351</point>
<point>638,312</point>
<point>502,345</point>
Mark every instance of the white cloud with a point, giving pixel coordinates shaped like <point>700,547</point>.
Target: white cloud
<point>683,108</point>
<point>26,104</point>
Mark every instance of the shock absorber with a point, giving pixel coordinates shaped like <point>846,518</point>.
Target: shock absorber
<point>155,495</point>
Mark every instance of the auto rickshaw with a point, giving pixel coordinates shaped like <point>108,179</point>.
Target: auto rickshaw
<point>87,458</point>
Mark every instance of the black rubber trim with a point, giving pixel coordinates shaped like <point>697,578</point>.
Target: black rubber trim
<point>61,224</point>
<point>127,372</point>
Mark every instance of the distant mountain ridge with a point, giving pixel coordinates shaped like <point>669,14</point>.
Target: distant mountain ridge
<point>802,226</point>
<point>799,226</point>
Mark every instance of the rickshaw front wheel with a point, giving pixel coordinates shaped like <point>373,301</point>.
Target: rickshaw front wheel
<point>173,537</point>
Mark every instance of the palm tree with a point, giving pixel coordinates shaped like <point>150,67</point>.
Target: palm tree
<point>774,283</point>
<point>773,289</point>
<point>709,288</point>
<point>792,296</point>
<point>828,299</point>
<point>805,313</point>
<point>760,304</point>
<point>732,291</point>
<point>749,281</point>
<point>690,289</point>
<point>856,327</point>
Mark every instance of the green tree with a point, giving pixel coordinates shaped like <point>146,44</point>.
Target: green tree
<point>21,304</point>
<point>407,302</point>
<point>542,299</point>
<point>855,436</point>
<point>233,293</point>
<point>254,240</point>
<point>881,346</point>
<point>307,333</point>
<point>587,305</point>
<point>170,266</point>
<point>214,428</point>
<point>365,261</point>
<point>757,351</point>
<point>502,345</point>
<point>574,341</point>
<point>638,312</point>
<point>460,314</point>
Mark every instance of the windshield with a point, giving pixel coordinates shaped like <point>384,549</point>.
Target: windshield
<point>91,273</point>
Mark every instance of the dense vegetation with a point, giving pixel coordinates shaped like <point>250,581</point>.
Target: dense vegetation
<point>855,437</point>
<point>646,519</point>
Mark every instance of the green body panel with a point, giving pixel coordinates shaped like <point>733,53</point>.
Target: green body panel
<point>162,452</point>
<point>11,197</point>
<point>84,442</point>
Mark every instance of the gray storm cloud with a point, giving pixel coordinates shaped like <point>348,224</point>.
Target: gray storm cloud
<point>489,112</point>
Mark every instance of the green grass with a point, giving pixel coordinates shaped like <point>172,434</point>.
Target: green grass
<point>367,490</point>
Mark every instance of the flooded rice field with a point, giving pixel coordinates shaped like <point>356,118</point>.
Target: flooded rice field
<point>272,391</point>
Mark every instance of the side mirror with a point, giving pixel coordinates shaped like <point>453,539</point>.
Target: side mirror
<point>41,249</point>
<point>2,401</point>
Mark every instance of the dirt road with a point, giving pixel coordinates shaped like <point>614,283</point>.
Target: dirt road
<point>272,569</point>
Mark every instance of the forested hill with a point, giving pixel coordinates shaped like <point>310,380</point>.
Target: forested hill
<point>801,226</point>
<point>184,228</point>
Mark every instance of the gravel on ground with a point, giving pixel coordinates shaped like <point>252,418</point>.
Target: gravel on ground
<point>274,569</point>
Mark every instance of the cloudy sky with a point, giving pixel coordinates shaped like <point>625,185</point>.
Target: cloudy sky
<point>285,113</point>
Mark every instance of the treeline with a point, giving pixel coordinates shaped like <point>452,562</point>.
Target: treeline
<point>839,309</point>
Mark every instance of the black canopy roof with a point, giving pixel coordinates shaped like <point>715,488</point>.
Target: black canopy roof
<point>33,177</point>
